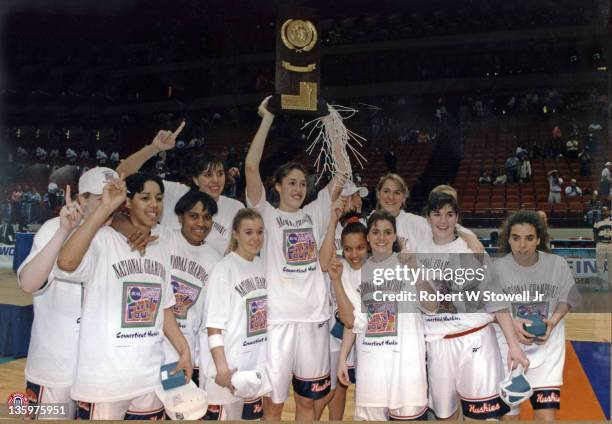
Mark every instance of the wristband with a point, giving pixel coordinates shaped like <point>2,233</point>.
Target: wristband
<point>214,341</point>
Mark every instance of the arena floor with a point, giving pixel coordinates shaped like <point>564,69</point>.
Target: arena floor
<point>585,394</point>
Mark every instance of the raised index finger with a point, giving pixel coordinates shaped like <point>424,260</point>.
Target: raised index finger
<point>67,196</point>
<point>179,129</point>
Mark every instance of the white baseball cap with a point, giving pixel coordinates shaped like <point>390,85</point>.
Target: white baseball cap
<point>94,180</point>
<point>515,388</point>
<point>350,188</point>
<point>608,164</point>
<point>249,384</point>
<point>186,402</point>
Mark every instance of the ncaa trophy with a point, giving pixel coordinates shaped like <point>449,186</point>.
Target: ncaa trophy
<point>297,91</point>
<point>298,74</point>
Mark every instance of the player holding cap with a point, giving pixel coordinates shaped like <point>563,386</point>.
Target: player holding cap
<point>50,367</point>
<point>527,267</point>
<point>192,261</point>
<point>236,317</point>
<point>127,307</point>
<point>459,338</point>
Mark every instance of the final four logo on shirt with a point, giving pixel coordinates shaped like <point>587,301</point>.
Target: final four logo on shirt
<point>140,304</point>
<point>256,315</point>
<point>186,294</point>
<point>382,319</point>
<point>526,309</point>
<point>300,247</point>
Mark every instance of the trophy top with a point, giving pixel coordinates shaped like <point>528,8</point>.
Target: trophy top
<point>299,35</point>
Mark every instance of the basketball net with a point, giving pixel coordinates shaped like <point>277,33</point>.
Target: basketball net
<point>329,135</point>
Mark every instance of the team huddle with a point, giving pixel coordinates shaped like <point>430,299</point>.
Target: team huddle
<point>248,303</point>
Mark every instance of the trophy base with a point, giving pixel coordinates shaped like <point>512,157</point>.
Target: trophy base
<point>276,107</point>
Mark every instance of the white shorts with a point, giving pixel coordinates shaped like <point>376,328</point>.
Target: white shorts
<point>51,396</point>
<point>466,368</point>
<point>299,350</point>
<point>408,413</point>
<point>145,407</point>
<point>545,379</point>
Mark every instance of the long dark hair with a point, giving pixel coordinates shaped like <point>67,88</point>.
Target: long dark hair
<point>382,215</point>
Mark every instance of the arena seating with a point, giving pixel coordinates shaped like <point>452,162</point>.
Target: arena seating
<point>488,146</point>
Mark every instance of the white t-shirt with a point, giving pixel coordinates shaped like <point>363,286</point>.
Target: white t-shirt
<point>390,345</point>
<point>221,231</point>
<point>237,304</point>
<point>191,267</point>
<point>434,256</point>
<point>411,229</point>
<point>120,345</point>
<point>55,331</point>
<point>297,291</point>
<point>550,276</point>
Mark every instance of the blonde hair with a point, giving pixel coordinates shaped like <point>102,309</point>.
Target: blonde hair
<point>444,188</point>
<point>396,178</point>
<point>241,215</point>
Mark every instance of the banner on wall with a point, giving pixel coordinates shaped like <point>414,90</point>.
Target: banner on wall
<point>583,265</point>
<point>7,253</point>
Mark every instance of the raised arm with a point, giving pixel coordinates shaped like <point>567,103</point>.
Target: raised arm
<point>342,172</point>
<point>71,254</point>
<point>35,273</point>
<point>327,253</point>
<point>254,185</point>
<point>345,306</point>
<point>164,140</point>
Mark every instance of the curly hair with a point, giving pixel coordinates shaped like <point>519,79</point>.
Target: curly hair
<point>523,217</point>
